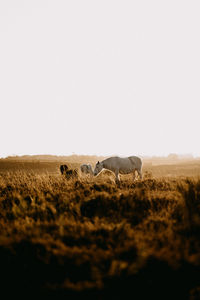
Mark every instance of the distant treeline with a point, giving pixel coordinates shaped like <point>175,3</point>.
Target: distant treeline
<point>171,158</point>
<point>71,158</point>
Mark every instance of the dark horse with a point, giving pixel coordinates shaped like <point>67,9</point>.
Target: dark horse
<point>68,173</point>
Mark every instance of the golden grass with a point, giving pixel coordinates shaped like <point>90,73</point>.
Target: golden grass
<point>90,237</point>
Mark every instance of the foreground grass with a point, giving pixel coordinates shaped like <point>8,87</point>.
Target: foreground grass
<point>90,237</point>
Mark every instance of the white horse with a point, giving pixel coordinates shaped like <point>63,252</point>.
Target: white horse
<point>119,165</point>
<point>86,169</point>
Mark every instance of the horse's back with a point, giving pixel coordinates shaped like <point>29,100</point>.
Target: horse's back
<point>123,164</point>
<point>124,161</point>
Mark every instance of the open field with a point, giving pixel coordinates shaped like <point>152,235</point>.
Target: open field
<point>90,237</point>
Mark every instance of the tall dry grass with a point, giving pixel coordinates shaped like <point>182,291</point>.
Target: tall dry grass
<point>91,237</point>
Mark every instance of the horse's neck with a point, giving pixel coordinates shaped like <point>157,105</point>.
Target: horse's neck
<point>105,164</point>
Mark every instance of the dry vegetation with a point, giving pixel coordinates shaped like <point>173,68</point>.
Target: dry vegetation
<point>90,237</point>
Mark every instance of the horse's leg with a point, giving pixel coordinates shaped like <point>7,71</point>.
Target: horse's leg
<point>117,180</point>
<point>139,173</point>
<point>134,175</point>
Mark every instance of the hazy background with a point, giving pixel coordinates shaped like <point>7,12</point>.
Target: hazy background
<point>99,77</point>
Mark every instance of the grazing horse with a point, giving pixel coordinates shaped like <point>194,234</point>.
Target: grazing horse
<point>86,169</point>
<point>119,165</point>
<point>63,169</point>
<point>68,173</point>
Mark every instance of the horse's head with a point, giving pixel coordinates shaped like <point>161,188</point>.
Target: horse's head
<point>98,168</point>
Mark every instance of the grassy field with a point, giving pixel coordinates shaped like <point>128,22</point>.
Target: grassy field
<point>90,237</point>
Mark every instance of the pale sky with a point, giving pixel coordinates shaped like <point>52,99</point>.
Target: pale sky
<point>99,77</point>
